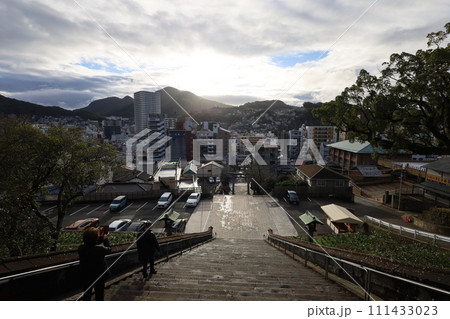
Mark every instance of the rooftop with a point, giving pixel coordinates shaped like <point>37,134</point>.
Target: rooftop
<point>356,147</point>
<point>442,165</point>
<point>319,172</point>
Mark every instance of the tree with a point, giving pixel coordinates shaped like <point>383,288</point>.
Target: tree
<point>33,161</point>
<point>25,163</point>
<point>80,163</point>
<point>406,108</point>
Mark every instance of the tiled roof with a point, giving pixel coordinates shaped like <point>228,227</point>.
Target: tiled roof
<point>319,172</point>
<point>309,170</point>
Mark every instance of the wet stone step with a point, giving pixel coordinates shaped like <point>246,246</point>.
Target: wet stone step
<point>230,269</point>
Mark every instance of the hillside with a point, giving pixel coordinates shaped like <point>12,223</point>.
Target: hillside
<point>192,103</point>
<point>22,108</point>
<point>112,106</point>
<point>252,116</point>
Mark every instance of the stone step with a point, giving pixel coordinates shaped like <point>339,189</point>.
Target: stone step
<point>230,269</point>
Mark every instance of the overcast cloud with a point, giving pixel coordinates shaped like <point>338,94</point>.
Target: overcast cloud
<point>57,52</point>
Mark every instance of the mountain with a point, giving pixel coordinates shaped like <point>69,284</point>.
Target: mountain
<point>192,103</point>
<point>112,106</point>
<point>17,107</point>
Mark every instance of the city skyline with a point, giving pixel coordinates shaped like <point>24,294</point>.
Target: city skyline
<point>69,54</point>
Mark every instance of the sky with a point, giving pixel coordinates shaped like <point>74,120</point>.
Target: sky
<point>69,53</point>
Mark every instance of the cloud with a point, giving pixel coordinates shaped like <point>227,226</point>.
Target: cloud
<point>59,52</point>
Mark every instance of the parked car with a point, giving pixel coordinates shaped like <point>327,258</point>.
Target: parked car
<point>212,180</point>
<point>83,224</point>
<point>119,225</point>
<point>165,200</point>
<point>118,203</point>
<point>193,199</point>
<point>292,197</point>
<point>138,225</point>
<point>217,179</point>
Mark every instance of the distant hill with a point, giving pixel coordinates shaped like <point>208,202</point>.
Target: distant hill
<point>280,116</point>
<point>125,107</point>
<point>17,107</point>
<point>112,106</point>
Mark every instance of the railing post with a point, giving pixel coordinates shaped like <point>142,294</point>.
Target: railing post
<point>367,285</point>
<point>167,252</point>
<point>306,257</point>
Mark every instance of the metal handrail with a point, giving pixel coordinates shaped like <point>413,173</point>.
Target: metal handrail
<point>368,270</point>
<point>401,229</point>
<point>9,278</point>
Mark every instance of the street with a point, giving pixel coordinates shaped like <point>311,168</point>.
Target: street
<point>147,210</point>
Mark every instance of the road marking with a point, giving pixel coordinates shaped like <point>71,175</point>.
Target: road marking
<point>155,207</point>
<point>106,211</point>
<point>79,210</point>
<point>141,207</point>
<point>95,209</point>
<point>125,208</point>
<point>48,209</point>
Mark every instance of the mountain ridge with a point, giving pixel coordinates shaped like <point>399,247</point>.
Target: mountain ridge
<point>196,107</point>
<point>22,108</point>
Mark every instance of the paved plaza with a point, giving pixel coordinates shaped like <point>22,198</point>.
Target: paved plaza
<point>240,217</point>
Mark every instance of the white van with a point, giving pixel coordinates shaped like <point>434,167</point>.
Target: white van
<point>165,200</point>
<point>118,203</point>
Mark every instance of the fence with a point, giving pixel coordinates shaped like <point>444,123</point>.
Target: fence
<point>370,282</point>
<point>52,282</point>
<point>109,196</point>
<point>417,234</point>
<point>344,193</point>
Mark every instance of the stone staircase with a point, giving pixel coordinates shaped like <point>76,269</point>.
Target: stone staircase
<point>230,269</point>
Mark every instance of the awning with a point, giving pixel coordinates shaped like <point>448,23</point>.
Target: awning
<point>171,215</point>
<point>308,218</point>
<point>340,214</point>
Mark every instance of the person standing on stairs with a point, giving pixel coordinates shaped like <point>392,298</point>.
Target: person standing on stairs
<point>147,245</point>
<point>93,263</point>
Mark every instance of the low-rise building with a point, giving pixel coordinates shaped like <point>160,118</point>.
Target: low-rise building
<point>348,154</point>
<point>325,182</point>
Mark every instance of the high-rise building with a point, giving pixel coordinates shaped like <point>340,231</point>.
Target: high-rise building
<point>157,124</point>
<point>322,136</point>
<point>145,103</point>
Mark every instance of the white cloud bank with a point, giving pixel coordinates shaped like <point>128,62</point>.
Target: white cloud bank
<point>57,52</point>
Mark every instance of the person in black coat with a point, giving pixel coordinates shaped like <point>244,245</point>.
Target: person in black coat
<point>147,245</point>
<point>93,263</point>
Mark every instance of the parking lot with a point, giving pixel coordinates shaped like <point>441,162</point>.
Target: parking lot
<point>147,210</point>
<point>134,210</point>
